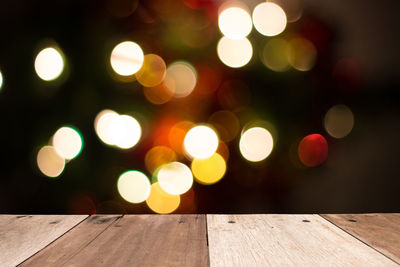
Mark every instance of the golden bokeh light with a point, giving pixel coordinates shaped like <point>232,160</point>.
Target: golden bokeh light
<point>175,178</point>
<point>159,94</point>
<point>177,135</point>
<point>234,53</point>
<point>210,170</point>
<point>157,156</point>
<point>152,72</point>
<point>269,19</point>
<point>201,142</point>
<point>226,123</point>
<point>256,144</point>
<point>49,64</point>
<point>126,58</point>
<point>181,78</point>
<point>160,201</point>
<point>302,54</point>
<point>50,163</point>
<point>339,121</point>
<point>133,186</point>
<point>67,142</point>
<point>275,55</point>
<point>122,131</point>
<point>235,22</point>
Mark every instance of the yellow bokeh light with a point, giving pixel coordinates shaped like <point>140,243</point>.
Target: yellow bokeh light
<point>210,170</point>
<point>181,78</point>
<point>256,144</point>
<point>158,156</point>
<point>160,201</point>
<point>302,54</point>
<point>158,94</point>
<point>269,19</point>
<point>275,55</point>
<point>134,186</point>
<point>235,23</point>
<point>339,121</point>
<point>50,163</point>
<point>122,131</point>
<point>201,142</point>
<point>49,64</point>
<point>152,72</point>
<point>127,58</point>
<point>234,53</point>
<point>67,142</point>
<point>175,178</point>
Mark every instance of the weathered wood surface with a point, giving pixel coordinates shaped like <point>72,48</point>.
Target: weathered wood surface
<point>58,253</point>
<point>285,240</point>
<point>131,240</point>
<point>21,236</point>
<point>380,231</point>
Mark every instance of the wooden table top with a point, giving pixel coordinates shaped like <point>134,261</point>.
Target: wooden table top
<point>200,240</point>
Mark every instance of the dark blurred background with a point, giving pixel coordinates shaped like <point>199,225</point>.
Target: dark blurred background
<point>357,65</point>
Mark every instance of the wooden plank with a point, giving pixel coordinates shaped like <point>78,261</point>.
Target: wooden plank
<point>381,231</point>
<point>282,240</point>
<point>64,248</point>
<point>24,235</point>
<point>146,240</point>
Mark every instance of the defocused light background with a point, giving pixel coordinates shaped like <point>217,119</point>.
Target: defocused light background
<point>189,106</point>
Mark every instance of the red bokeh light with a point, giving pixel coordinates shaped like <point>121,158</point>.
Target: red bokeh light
<point>313,150</point>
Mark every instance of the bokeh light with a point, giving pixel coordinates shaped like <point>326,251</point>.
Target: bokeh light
<point>302,54</point>
<point>157,156</point>
<point>126,131</point>
<point>201,142</point>
<point>1,80</point>
<point>49,64</point>
<point>152,72</point>
<point>159,94</point>
<point>50,163</point>
<point>68,142</point>
<point>313,150</point>
<point>226,123</point>
<point>339,121</point>
<point>177,135</point>
<point>275,55</point>
<point>134,186</point>
<point>235,22</point>
<point>160,201</point>
<point>256,144</point>
<point>269,19</point>
<point>234,53</point>
<point>181,78</point>
<point>175,178</point>
<point>210,170</point>
<point>122,131</point>
<point>126,58</point>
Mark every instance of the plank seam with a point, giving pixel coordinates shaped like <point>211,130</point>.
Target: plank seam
<point>67,260</point>
<point>208,247</point>
<point>357,238</point>
<point>19,264</point>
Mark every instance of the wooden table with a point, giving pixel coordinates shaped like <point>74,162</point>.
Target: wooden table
<point>200,240</point>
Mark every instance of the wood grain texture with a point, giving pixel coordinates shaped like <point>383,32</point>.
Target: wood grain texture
<point>59,252</point>
<point>381,231</point>
<point>282,240</point>
<point>22,236</point>
<point>143,240</point>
